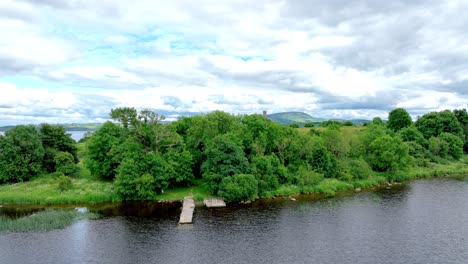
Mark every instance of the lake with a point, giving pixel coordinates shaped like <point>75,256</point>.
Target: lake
<point>425,221</point>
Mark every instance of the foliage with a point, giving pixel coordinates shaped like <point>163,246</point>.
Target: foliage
<point>103,156</point>
<point>267,170</point>
<point>55,139</point>
<point>305,177</point>
<point>64,183</point>
<point>238,188</point>
<point>377,121</point>
<point>294,125</point>
<point>125,115</point>
<point>334,141</point>
<point>309,124</point>
<point>21,154</point>
<point>358,168</point>
<point>388,153</point>
<point>141,175</point>
<point>398,119</point>
<point>455,145</point>
<point>224,157</point>
<point>64,163</point>
<point>462,117</point>
<point>435,123</point>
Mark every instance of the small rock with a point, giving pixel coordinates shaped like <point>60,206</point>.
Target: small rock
<point>292,198</point>
<point>358,189</point>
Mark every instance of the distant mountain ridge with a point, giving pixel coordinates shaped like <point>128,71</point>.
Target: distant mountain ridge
<point>301,118</point>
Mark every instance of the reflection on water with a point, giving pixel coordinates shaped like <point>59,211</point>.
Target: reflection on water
<point>421,222</point>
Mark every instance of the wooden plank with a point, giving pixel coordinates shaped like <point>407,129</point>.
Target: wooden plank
<point>214,202</point>
<point>187,211</point>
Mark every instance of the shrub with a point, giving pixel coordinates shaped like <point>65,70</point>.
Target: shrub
<point>294,125</point>
<point>309,124</point>
<point>64,183</point>
<point>306,177</point>
<point>64,163</point>
<point>238,188</point>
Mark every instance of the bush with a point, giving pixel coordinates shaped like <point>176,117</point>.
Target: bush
<point>307,178</point>
<point>64,163</point>
<point>238,188</point>
<point>358,168</point>
<point>64,183</point>
<point>309,124</point>
<point>294,125</point>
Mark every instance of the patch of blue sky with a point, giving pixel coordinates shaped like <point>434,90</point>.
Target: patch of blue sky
<point>32,82</point>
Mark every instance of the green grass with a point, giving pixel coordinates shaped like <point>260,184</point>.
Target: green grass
<point>198,192</point>
<point>42,221</point>
<point>44,190</point>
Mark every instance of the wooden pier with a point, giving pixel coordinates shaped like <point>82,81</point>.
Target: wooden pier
<point>187,210</point>
<point>214,202</point>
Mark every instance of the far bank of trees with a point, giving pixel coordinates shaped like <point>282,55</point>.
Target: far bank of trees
<point>237,157</point>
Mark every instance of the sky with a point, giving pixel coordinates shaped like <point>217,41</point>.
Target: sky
<point>73,61</point>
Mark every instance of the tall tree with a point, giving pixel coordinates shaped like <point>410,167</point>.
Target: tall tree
<point>21,154</point>
<point>462,117</point>
<point>54,140</point>
<point>435,123</point>
<point>398,119</point>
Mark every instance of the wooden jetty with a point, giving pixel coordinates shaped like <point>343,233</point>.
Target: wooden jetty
<point>214,202</point>
<point>187,210</point>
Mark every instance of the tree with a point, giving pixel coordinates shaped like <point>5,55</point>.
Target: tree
<point>462,117</point>
<point>388,153</point>
<point>103,152</point>
<point>224,157</point>
<point>435,123</point>
<point>142,175</point>
<point>377,121</point>
<point>455,145</point>
<point>125,115</point>
<point>55,139</point>
<point>238,188</point>
<point>21,154</point>
<point>398,119</point>
<point>309,124</point>
<point>64,163</point>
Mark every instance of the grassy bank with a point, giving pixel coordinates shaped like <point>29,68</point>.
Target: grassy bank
<point>44,190</point>
<point>42,221</point>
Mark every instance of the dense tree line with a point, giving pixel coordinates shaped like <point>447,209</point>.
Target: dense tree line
<point>26,152</point>
<point>237,157</point>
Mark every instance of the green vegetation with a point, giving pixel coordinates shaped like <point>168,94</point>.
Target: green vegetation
<point>237,157</point>
<point>42,221</point>
<point>46,190</point>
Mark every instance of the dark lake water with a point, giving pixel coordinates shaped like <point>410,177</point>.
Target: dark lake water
<point>424,221</point>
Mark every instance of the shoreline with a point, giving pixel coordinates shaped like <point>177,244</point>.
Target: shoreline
<point>292,196</point>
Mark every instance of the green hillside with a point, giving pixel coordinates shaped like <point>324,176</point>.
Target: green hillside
<point>294,117</point>
<point>301,118</point>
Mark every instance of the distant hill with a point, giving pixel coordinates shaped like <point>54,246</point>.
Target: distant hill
<point>294,117</point>
<point>301,118</point>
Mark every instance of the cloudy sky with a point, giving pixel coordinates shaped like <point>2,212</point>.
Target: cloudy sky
<point>72,61</point>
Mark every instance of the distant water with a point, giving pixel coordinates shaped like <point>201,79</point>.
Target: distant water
<point>76,135</point>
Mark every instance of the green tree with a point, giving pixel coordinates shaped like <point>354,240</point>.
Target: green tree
<point>377,121</point>
<point>294,125</point>
<point>55,139</point>
<point>388,153</point>
<point>238,188</point>
<point>104,156</point>
<point>224,157</point>
<point>455,145</point>
<point>125,115</point>
<point>21,154</point>
<point>462,117</point>
<point>334,141</point>
<point>267,170</point>
<point>435,123</point>
<point>64,163</point>
<point>398,119</point>
<point>309,124</point>
<point>142,175</point>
